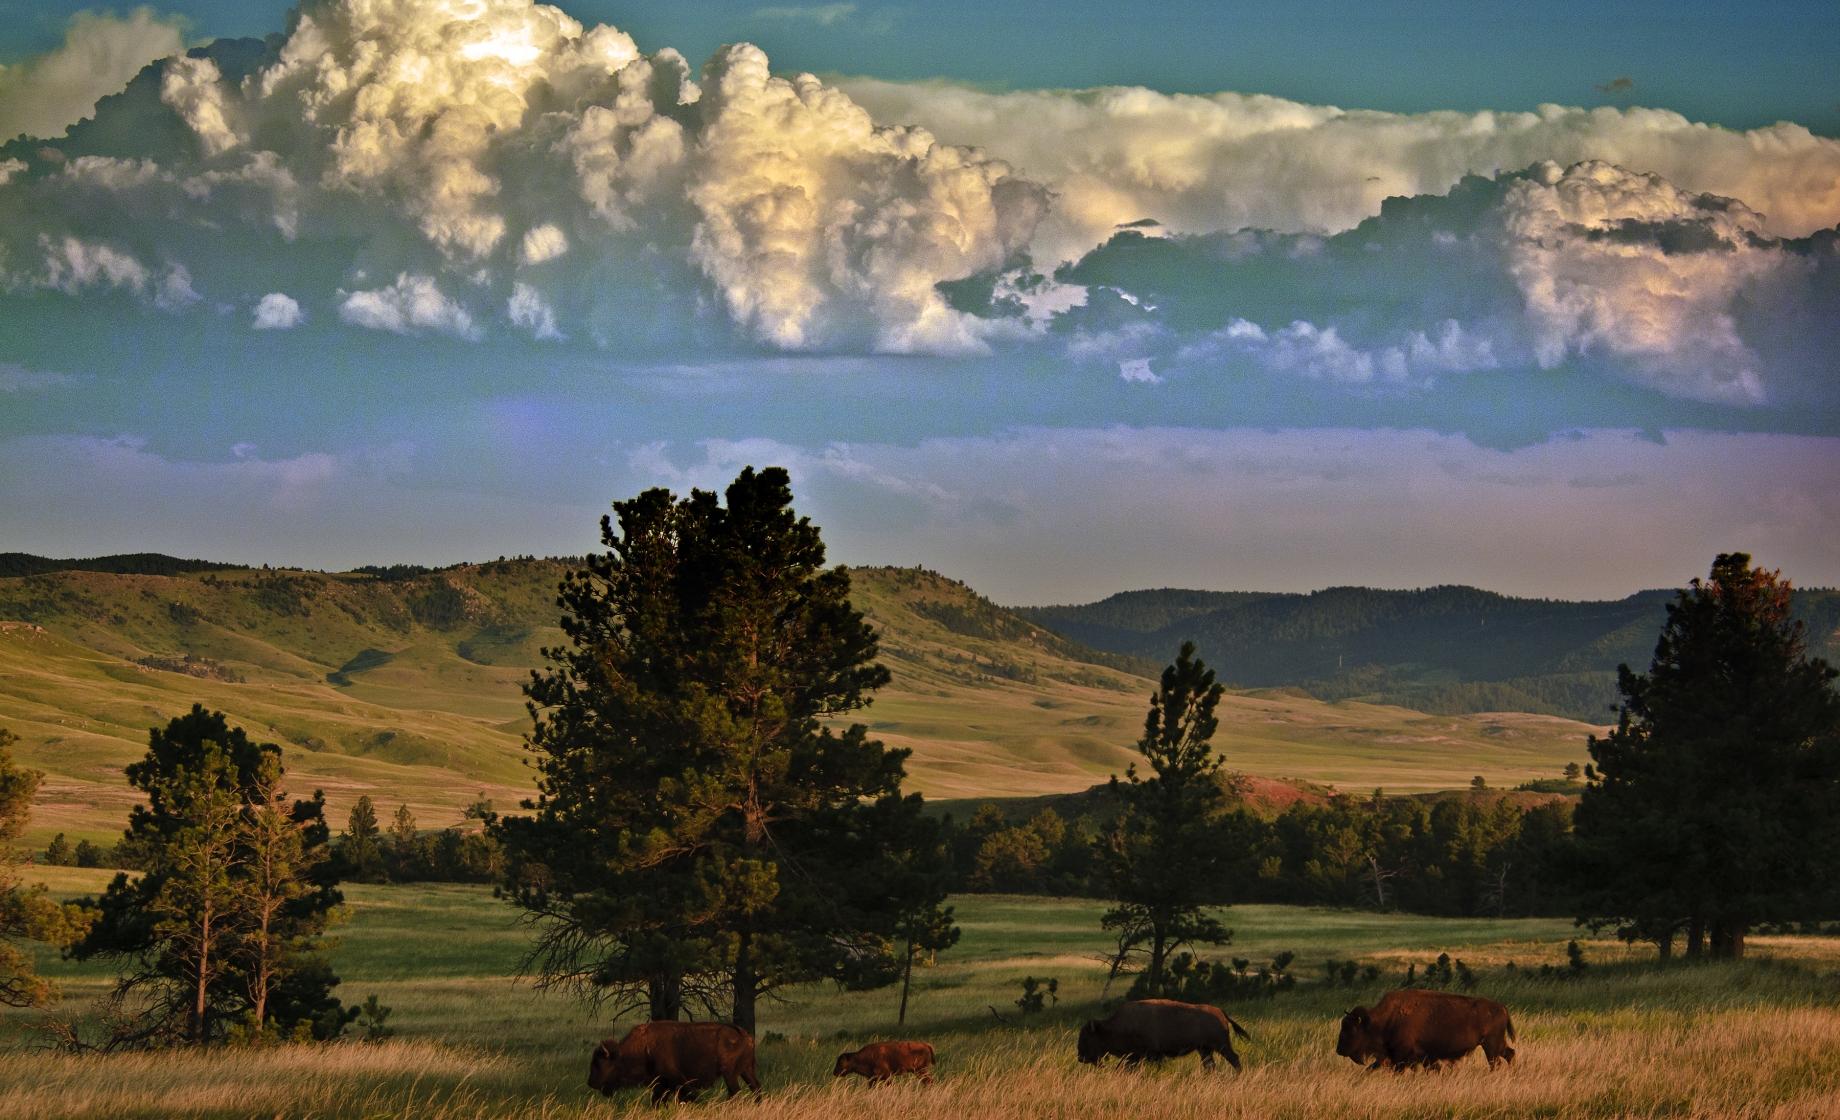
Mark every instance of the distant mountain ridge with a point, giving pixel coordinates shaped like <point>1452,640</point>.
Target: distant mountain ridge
<point>13,564</point>
<point>1439,649</point>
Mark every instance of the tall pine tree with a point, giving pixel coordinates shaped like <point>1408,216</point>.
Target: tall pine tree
<point>1713,805</point>
<point>702,820</point>
<point>1165,856</point>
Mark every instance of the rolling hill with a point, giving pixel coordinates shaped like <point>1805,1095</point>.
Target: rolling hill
<point>1441,649</point>
<point>405,684</point>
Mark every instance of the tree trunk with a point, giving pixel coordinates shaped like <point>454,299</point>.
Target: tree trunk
<point>907,979</point>
<point>1728,940</point>
<point>264,970</point>
<point>1157,949</point>
<point>665,993</point>
<point>745,982</point>
<point>1664,945</point>
<point>1696,937</point>
<point>202,999</point>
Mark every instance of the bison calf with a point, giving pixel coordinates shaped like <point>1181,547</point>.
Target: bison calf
<point>1411,1027</point>
<point>1154,1029</point>
<point>883,1061</point>
<point>675,1059</point>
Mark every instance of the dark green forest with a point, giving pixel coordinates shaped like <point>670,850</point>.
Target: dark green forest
<point>1439,649</point>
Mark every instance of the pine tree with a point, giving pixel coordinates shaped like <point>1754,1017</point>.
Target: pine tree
<point>1712,805</point>
<point>359,846</point>
<point>405,855</point>
<point>184,927</point>
<point>1164,857</point>
<point>192,910</point>
<point>278,869</point>
<point>701,815</point>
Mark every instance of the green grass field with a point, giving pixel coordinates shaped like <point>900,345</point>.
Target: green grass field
<point>1628,1039</point>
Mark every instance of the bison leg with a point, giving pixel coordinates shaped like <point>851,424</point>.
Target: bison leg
<point>1207,1059</point>
<point>1232,1059</point>
<point>1497,1050</point>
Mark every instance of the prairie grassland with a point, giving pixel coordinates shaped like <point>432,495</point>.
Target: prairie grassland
<point>1748,1040</point>
<point>365,699</point>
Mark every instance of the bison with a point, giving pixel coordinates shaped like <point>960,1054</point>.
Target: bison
<point>675,1059</point>
<point>1412,1027</point>
<point>1154,1029</point>
<point>883,1061</point>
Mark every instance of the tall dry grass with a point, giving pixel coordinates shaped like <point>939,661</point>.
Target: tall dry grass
<point>1762,1064</point>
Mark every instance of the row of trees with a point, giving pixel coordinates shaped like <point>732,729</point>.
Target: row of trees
<point>467,853</point>
<point>1462,855</point>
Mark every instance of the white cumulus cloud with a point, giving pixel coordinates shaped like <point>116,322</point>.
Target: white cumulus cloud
<point>1227,161</point>
<point>278,311</point>
<point>1627,263</point>
<point>411,305</point>
<point>529,310</point>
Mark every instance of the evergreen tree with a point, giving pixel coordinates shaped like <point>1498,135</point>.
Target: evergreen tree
<point>59,853</point>
<point>1164,858</point>
<point>702,820</point>
<point>920,878</point>
<point>25,912</point>
<point>405,856</point>
<point>278,869</point>
<point>210,930</point>
<point>1712,804</point>
<point>359,847</point>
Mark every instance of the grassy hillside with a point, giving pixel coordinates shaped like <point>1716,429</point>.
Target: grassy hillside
<point>1442,649</point>
<point>1746,1039</point>
<point>405,684</point>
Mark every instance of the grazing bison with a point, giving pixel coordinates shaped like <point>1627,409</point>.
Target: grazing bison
<point>1412,1027</point>
<point>1154,1029</point>
<point>675,1059</point>
<point>883,1061</point>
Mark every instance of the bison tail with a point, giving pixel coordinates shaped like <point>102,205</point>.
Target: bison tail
<point>1237,1029</point>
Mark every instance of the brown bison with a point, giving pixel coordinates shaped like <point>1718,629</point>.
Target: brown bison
<point>1411,1027</point>
<point>1154,1029</point>
<point>675,1059</point>
<point>883,1061</point>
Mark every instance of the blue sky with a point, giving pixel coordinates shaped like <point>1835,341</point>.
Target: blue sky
<point>1312,297</point>
<point>1741,65</point>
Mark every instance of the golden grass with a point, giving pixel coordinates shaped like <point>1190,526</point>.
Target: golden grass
<point>1743,1065</point>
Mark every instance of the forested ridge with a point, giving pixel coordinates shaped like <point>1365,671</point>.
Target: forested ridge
<point>1439,649</point>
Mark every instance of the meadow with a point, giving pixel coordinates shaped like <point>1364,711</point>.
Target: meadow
<point>1750,1039</point>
